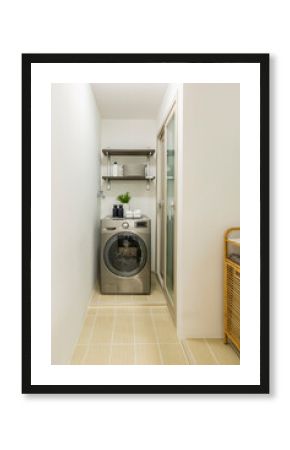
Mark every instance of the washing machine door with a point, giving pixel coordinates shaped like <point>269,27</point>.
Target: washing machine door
<point>125,254</point>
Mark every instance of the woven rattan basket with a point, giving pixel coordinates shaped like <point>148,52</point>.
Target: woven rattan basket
<point>232,286</point>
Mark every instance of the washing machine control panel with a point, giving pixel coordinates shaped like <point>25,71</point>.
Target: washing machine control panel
<point>141,224</point>
<point>125,225</point>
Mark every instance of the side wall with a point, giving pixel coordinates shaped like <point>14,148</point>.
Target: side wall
<point>75,137</point>
<point>117,133</point>
<point>211,201</point>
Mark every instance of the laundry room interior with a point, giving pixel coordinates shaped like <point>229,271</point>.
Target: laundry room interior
<point>145,223</point>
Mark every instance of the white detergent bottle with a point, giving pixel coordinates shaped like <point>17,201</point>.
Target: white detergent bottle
<point>115,169</point>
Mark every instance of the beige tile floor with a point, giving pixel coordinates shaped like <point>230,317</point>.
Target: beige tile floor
<point>210,352</point>
<point>143,335</point>
<point>139,330</point>
<point>129,335</point>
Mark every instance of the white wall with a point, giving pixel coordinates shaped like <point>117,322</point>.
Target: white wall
<point>211,193</point>
<point>131,134</point>
<point>75,135</point>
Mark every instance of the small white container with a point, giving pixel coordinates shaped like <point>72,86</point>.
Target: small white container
<point>137,213</point>
<point>129,214</point>
<point>115,169</point>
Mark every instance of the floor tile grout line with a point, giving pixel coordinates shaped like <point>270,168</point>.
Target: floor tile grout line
<point>115,344</point>
<point>156,337</point>
<point>84,355</point>
<point>189,355</point>
<point>92,301</point>
<point>219,361</point>
<point>112,337</point>
<point>94,324</point>
<point>188,359</point>
<point>134,346</point>
<point>159,308</point>
<point>177,342</point>
<point>134,305</point>
<point>211,351</point>
<point>90,338</point>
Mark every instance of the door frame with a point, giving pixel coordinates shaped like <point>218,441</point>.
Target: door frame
<point>171,300</point>
<point>160,215</point>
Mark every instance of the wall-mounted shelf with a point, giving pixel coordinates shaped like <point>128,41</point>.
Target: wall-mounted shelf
<point>128,152</point>
<point>108,152</point>
<point>129,177</point>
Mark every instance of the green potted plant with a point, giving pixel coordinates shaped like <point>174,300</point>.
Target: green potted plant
<point>125,199</point>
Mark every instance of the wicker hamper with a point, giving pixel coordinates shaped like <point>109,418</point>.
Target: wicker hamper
<point>232,286</point>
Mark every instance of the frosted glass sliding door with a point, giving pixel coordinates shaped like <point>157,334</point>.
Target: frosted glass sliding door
<point>170,202</point>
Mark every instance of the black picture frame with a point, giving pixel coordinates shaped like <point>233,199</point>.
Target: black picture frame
<point>263,61</point>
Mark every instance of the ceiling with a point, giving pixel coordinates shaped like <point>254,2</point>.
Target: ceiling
<point>129,100</point>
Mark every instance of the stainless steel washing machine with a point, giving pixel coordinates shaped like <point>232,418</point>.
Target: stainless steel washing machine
<point>125,256</point>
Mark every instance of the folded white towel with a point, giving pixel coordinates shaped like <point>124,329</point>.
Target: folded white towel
<point>137,213</point>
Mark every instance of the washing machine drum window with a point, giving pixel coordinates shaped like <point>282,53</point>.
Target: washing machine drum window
<point>125,254</point>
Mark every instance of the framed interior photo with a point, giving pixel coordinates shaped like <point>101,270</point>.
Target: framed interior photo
<point>145,190</point>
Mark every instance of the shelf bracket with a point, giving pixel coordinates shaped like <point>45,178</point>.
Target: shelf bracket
<point>148,172</point>
<point>108,171</point>
<point>148,165</point>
